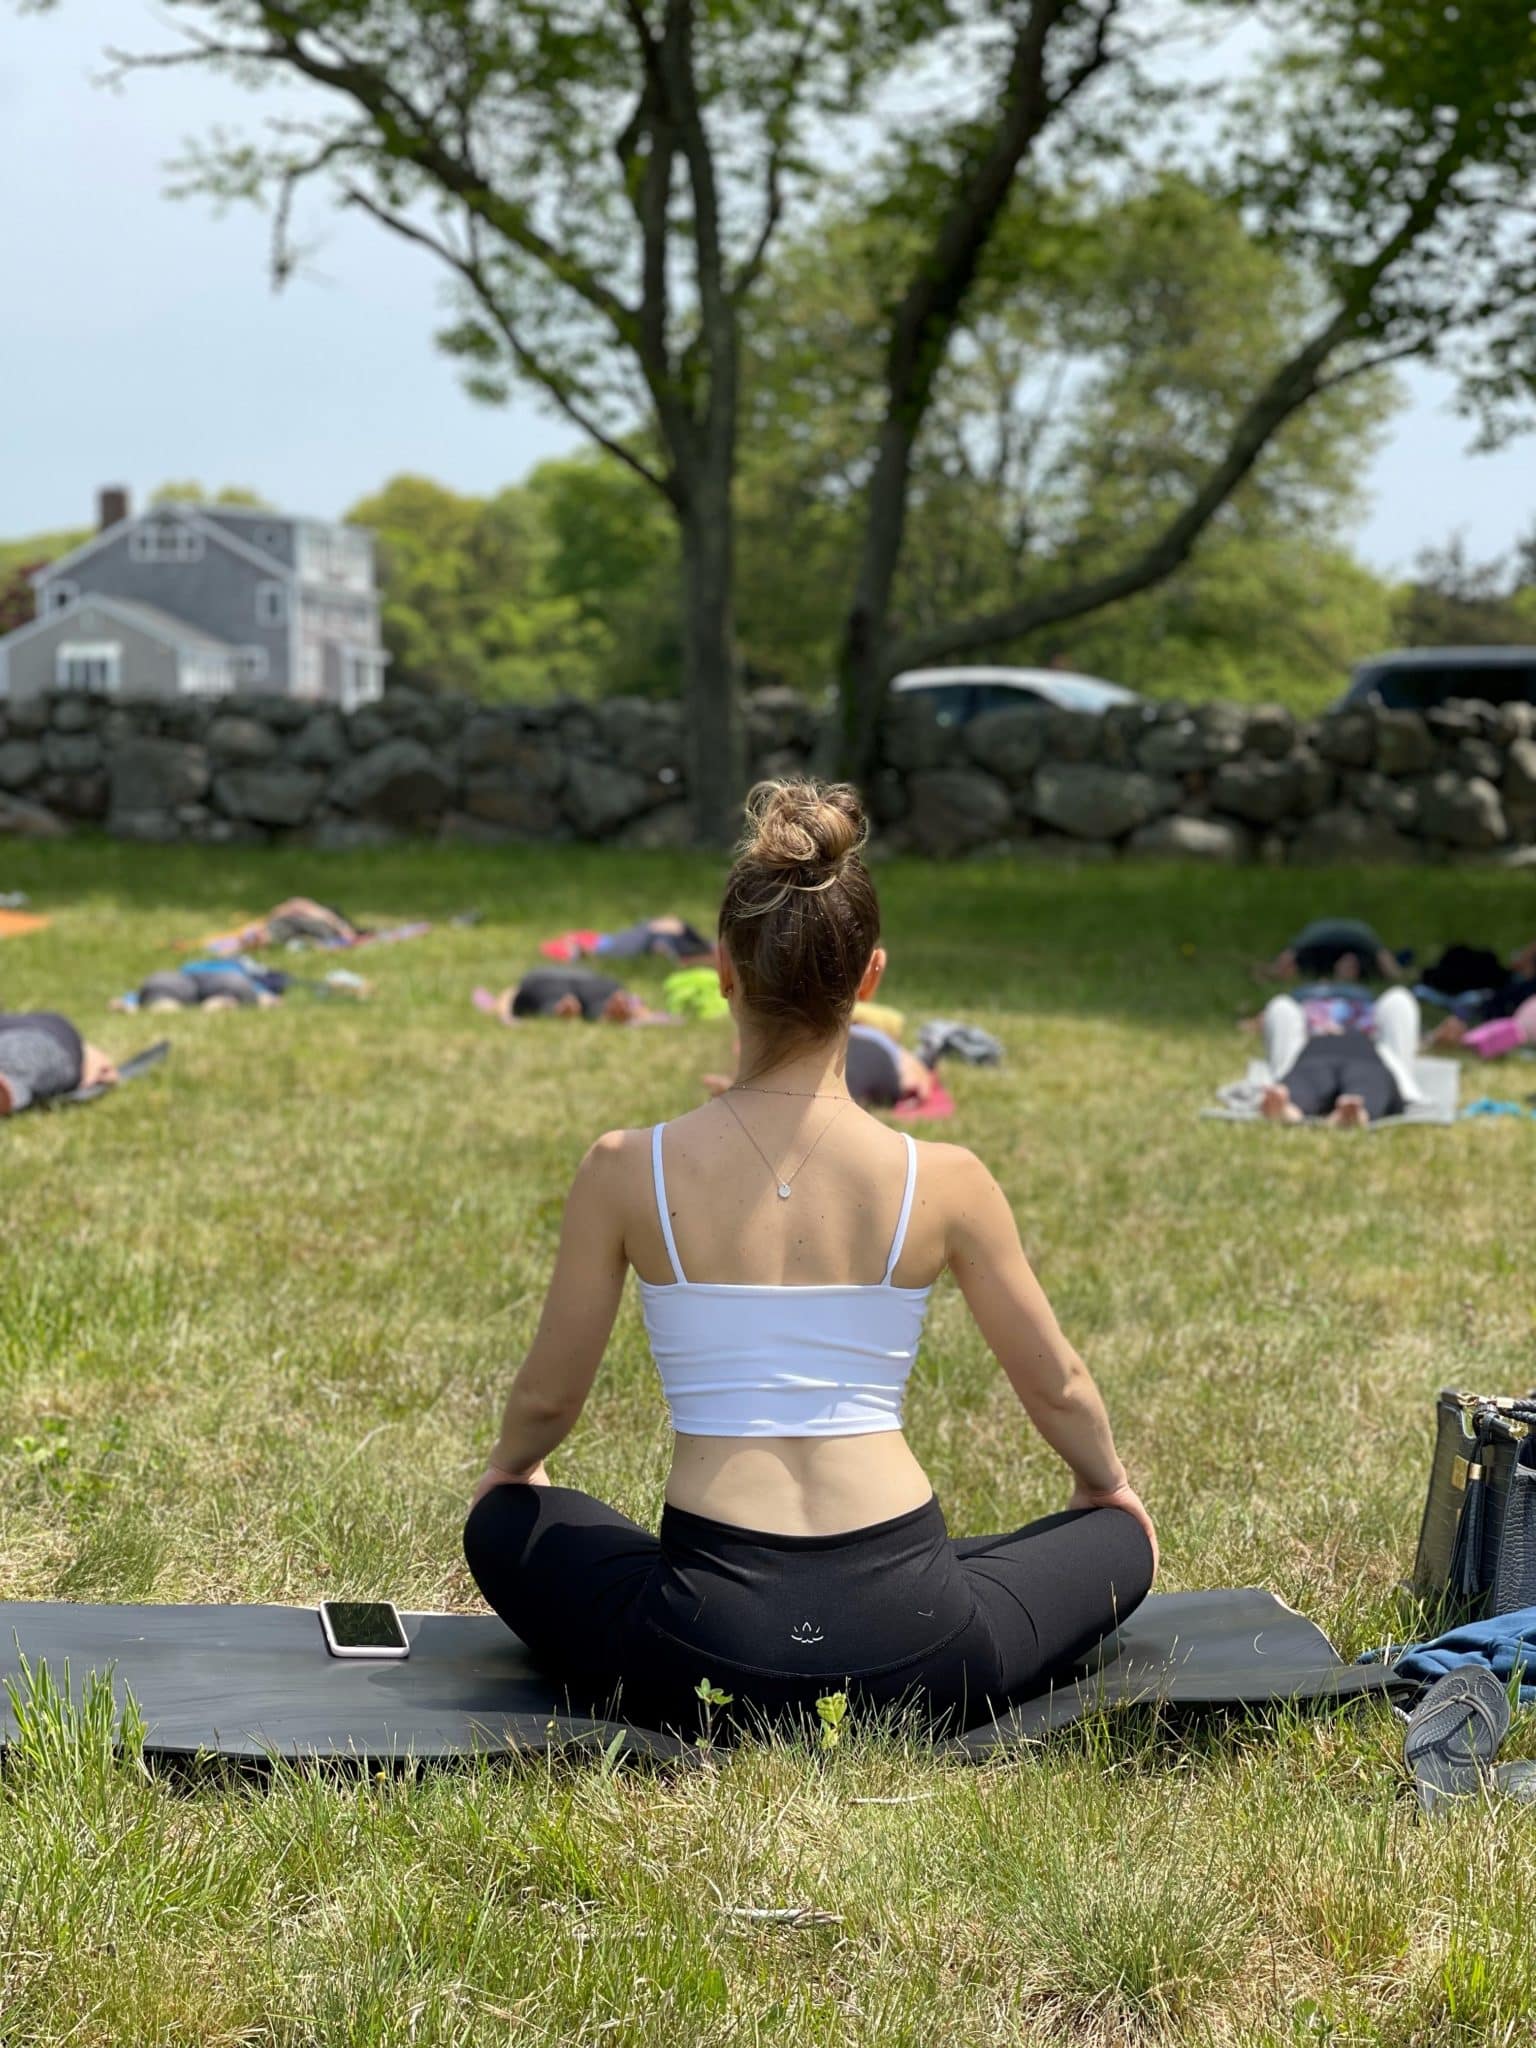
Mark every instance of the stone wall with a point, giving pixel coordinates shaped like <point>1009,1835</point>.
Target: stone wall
<point>1218,781</point>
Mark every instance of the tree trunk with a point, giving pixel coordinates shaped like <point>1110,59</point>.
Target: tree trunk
<point>711,679</point>
<point>862,658</point>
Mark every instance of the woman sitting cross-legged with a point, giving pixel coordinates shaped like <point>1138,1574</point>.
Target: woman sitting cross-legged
<point>786,1244</point>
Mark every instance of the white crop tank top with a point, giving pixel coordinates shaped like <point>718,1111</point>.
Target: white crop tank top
<point>741,1360</point>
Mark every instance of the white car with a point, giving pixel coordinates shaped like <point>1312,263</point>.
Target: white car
<point>957,695</point>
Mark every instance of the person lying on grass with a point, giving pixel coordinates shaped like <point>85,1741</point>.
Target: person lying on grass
<point>667,938</point>
<point>567,992</point>
<point>233,985</point>
<point>42,1055</point>
<point>786,1244</point>
<point>1339,1072</point>
<point>1333,949</point>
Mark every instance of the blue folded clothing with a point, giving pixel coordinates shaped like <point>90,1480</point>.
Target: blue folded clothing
<point>1504,1644</point>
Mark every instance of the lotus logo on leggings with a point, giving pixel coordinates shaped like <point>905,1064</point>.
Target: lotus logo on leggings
<point>807,1632</point>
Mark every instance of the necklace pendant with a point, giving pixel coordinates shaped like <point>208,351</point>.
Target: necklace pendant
<point>784,1191</point>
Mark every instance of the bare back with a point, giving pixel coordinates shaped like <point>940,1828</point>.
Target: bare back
<point>835,1229</point>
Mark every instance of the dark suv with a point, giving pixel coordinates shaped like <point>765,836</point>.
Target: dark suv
<point>1421,677</point>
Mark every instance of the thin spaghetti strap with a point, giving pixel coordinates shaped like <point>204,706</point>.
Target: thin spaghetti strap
<point>659,1176</point>
<point>899,1240</point>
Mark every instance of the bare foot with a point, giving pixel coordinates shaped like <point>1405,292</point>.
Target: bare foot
<point>7,1099</point>
<point>1349,1114</point>
<point>1449,1031</point>
<point>1276,1104</point>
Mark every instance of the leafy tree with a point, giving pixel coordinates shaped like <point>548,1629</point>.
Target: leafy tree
<point>603,179</point>
<point>189,493</point>
<point>468,599</point>
<point>19,562</point>
<point>1454,601</point>
<point>1390,151</point>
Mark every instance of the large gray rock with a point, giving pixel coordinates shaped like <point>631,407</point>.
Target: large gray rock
<point>320,744</point>
<point>1344,836</point>
<point>1182,746</point>
<point>1404,743</point>
<point>152,776</point>
<point>776,717</point>
<point>1479,757</point>
<point>1260,792</point>
<point>82,797</point>
<point>598,799</point>
<point>1072,735</point>
<point>398,782</point>
<point>952,810</point>
<point>1519,773</point>
<point>1348,739</point>
<point>1184,838</point>
<point>492,739</point>
<point>1099,803</point>
<point>23,819</point>
<point>1270,731</point>
<point>912,739</point>
<point>496,746</point>
<point>1382,796</point>
<point>20,762</point>
<point>348,835</point>
<point>155,828</point>
<point>73,713</point>
<point>366,729</point>
<point>1460,718</point>
<point>234,738</point>
<point>648,738</point>
<point>27,716</point>
<point>1461,810</point>
<point>272,707</point>
<point>72,753</point>
<point>667,829</point>
<point>276,795</point>
<point>1009,744</point>
<point>886,796</point>
<point>1516,722</point>
<point>516,809</point>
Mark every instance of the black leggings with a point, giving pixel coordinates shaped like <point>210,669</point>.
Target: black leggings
<point>1342,1063</point>
<point>895,1615</point>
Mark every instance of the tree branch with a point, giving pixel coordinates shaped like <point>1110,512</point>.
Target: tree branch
<point>1295,383</point>
<point>470,267</point>
<point>773,176</point>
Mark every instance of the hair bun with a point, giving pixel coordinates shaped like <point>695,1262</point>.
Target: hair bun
<point>804,825</point>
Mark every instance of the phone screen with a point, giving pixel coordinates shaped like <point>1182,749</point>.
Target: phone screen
<point>365,1625</point>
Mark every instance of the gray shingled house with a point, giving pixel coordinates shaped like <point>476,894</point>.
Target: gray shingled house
<point>202,600</point>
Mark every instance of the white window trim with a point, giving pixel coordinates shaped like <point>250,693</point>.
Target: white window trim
<point>165,540</point>
<point>271,604</point>
<point>105,654</point>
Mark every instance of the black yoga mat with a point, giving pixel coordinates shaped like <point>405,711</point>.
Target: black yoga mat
<point>130,1070</point>
<point>254,1682</point>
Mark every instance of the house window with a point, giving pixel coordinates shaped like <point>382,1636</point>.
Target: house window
<point>93,665</point>
<point>165,540</point>
<point>271,604</point>
<point>61,595</point>
<point>270,538</point>
<point>252,664</point>
<point>362,679</point>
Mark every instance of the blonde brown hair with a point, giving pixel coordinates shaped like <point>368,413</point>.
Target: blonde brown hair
<point>800,917</point>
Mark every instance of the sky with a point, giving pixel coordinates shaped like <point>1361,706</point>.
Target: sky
<point>140,339</point>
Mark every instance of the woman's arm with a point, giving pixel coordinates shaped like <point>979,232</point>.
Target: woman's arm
<point>1012,1313</point>
<point>556,1377</point>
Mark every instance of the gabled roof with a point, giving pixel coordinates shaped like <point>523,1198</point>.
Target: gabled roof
<point>147,617</point>
<point>189,516</point>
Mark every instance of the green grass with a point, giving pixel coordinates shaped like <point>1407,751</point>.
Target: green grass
<point>256,1319</point>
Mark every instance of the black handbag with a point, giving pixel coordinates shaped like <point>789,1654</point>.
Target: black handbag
<point>1477,1542</point>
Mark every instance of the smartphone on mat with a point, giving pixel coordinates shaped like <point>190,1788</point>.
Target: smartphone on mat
<point>363,1628</point>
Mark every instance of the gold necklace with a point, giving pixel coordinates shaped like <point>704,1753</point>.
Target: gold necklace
<point>785,1187</point>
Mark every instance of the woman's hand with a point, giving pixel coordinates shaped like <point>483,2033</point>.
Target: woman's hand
<point>1117,1497</point>
<point>493,1475</point>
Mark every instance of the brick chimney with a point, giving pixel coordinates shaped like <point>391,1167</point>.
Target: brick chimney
<point>112,506</point>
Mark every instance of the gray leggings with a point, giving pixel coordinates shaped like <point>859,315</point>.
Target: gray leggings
<point>41,1054</point>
